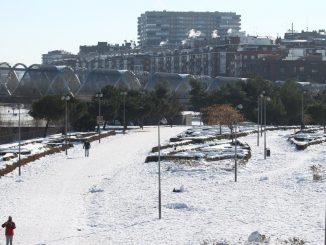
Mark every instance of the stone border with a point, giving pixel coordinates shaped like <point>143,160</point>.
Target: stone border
<point>302,146</point>
<point>31,158</point>
<point>154,158</point>
<point>305,146</point>
<point>174,142</point>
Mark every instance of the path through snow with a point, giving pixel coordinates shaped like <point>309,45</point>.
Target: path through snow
<point>111,197</point>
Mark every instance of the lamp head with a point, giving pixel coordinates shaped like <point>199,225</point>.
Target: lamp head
<point>66,97</point>
<point>99,95</point>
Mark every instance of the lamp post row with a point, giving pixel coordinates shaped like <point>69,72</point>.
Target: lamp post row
<point>66,98</point>
<point>99,95</point>
<point>19,140</point>
<point>302,114</point>
<point>262,119</point>
<point>159,172</point>
<point>124,94</point>
<point>258,121</point>
<point>161,121</point>
<point>264,127</point>
<point>235,148</point>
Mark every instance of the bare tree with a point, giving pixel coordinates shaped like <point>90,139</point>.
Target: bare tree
<point>223,115</point>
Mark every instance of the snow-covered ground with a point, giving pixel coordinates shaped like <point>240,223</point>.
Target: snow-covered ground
<point>111,197</point>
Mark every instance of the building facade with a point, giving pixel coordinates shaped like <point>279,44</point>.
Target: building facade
<point>155,27</point>
<point>59,57</point>
<point>235,55</point>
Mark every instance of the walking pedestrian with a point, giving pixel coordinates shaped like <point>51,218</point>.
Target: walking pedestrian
<point>10,226</point>
<point>86,146</point>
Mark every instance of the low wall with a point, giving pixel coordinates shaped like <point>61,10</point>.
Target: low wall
<point>10,134</point>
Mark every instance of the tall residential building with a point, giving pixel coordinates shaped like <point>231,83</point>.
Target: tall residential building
<point>155,27</point>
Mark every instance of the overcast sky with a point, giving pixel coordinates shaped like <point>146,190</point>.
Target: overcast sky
<point>30,28</point>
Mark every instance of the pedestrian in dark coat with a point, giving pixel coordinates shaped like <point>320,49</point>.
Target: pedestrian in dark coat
<point>86,146</point>
<point>10,226</point>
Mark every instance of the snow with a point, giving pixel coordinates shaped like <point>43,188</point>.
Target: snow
<point>177,206</point>
<point>255,237</point>
<point>111,196</point>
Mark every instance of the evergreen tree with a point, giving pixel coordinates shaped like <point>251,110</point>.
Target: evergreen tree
<point>49,108</point>
<point>198,95</point>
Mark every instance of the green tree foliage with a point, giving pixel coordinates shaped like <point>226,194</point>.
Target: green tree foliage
<point>110,104</point>
<point>284,108</point>
<point>253,88</point>
<point>80,118</point>
<point>48,108</point>
<point>318,113</point>
<point>198,95</point>
<point>276,112</point>
<point>291,99</point>
<point>140,106</point>
<point>133,107</point>
<point>164,104</point>
<point>232,93</point>
<point>175,109</point>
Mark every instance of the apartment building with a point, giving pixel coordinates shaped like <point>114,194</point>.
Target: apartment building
<point>156,27</point>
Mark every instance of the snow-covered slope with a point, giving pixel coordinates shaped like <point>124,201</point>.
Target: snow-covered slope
<point>111,197</point>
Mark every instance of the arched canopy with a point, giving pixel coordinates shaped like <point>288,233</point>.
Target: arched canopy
<point>65,81</point>
<point>218,82</point>
<point>8,79</point>
<point>15,75</point>
<point>177,83</point>
<point>98,79</point>
<point>41,80</point>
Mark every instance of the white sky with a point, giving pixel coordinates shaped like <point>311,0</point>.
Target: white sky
<point>30,28</point>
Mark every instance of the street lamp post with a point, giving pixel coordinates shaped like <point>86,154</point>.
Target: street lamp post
<point>265,101</point>
<point>258,121</point>
<point>66,98</point>
<point>99,96</point>
<point>159,173</point>
<point>124,94</point>
<point>261,112</point>
<point>302,114</point>
<point>163,121</point>
<point>19,139</point>
<point>235,155</point>
<point>235,149</point>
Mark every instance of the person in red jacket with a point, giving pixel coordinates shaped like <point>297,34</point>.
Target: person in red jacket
<point>10,226</point>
